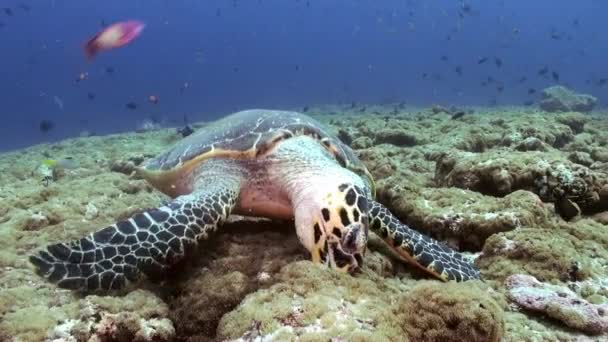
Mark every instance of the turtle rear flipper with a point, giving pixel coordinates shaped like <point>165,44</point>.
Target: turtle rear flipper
<point>419,249</point>
<point>149,242</point>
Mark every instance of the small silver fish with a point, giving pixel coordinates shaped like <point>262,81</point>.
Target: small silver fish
<point>58,101</point>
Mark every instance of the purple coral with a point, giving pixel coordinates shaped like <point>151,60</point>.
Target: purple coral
<point>558,302</point>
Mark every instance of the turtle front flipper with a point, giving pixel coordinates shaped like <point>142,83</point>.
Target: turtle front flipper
<point>418,249</point>
<point>149,242</point>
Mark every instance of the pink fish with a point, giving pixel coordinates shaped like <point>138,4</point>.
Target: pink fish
<point>112,37</point>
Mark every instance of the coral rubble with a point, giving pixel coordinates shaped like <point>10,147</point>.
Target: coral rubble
<point>558,302</point>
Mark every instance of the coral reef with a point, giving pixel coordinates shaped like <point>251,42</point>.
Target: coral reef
<point>450,312</point>
<point>238,262</point>
<point>572,187</point>
<point>561,99</point>
<point>136,317</point>
<point>310,302</point>
<point>566,256</point>
<point>496,183</point>
<point>558,302</point>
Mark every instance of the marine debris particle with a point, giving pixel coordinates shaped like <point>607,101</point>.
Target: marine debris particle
<point>82,77</point>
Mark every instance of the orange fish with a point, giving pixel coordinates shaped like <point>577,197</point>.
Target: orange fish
<point>112,37</point>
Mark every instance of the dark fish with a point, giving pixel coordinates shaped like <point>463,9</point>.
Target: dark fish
<point>297,67</point>
<point>482,60</point>
<point>103,23</point>
<point>575,23</point>
<point>131,105</point>
<point>498,62</point>
<point>8,11</point>
<point>305,109</point>
<point>466,8</point>
<point>425,75</point>
<point>448,37</point>
<point>543,71</point>
<point>307,3</point>
<point>555,76</point>
<point>457,115</point>
<point>363,109</point>
<point>458,70</point>
<point>555,36</point>
<point>236,69</point>
<point>531,91</point>
<point>444,58</point>
<point>109,70</point>
<point>218,12</point>
<point>602,81</point>
<point>185,131</point>
<point>500,88</point>
<point>528,103</point>
<point>91,96</point>
<point>2,24</point>
<point>353,105</point>
<point>46,125</point>
<point>522,80</point>
<point>184,86</point>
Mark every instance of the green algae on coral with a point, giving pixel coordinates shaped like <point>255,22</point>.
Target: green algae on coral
<point>450,312</point>
<point>535,242</point>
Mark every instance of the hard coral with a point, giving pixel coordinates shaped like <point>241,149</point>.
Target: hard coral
<point>560,257</point>
<point>572,187</point>
<point>561,99</point>
<point>450,312</point>
<point>558,302</point>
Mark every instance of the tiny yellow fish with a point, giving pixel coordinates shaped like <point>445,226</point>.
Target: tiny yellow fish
<point>49,163</point>
<point>66,163</point>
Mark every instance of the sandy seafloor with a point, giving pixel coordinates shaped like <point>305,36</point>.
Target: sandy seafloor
<point>487,183</point>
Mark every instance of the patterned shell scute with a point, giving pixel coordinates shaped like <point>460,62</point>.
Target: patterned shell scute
<point>251,130</point>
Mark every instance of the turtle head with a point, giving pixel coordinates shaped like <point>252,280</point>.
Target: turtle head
<point>332,223</point>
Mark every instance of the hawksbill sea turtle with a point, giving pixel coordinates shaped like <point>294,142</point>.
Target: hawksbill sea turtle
<point>265,163</point>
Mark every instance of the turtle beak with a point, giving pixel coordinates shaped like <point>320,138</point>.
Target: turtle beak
<point>341,261</point>
<point>346,254</point>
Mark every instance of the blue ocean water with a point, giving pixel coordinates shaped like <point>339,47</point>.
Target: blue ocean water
<point>285,54</point>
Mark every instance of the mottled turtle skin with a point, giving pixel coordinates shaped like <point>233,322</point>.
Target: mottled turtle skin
<point>274,164</point>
